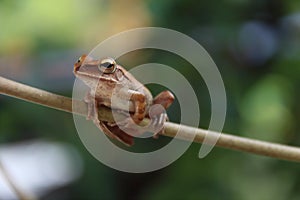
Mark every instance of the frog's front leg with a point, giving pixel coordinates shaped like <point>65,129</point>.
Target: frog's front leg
<point>157,113</point>
<point>139,102</point>
<point>140,109</point>
<point>130,124</point>
<point>92,106</point>
<point>160,103</point>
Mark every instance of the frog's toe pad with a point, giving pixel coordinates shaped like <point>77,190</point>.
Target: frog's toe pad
<point>158,116</point>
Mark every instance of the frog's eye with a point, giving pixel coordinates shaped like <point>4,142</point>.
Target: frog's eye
<point>80,59</point>
<point>107,65</point>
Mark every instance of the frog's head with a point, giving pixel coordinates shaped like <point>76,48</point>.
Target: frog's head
<point>88,67</point>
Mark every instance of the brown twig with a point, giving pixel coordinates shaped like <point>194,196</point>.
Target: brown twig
<point>59,102</point>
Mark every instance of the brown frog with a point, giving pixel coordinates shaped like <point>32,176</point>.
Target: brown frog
<point>107,80</point>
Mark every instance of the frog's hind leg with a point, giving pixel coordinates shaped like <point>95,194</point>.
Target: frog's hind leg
<point>164,98</point>
<point>112,131</point>
<point>116,133</point>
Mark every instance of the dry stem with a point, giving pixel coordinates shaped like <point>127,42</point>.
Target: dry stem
<point>24,92</point>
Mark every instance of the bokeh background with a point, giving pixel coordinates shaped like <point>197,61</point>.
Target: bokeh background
<point>256,46</point>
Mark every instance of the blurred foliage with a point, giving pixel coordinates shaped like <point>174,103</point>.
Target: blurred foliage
<point>255,44</point>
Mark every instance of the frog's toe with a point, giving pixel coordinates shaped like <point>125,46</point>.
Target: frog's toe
<point>158,117</point>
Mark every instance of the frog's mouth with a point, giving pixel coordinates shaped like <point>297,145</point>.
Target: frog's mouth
<point>76,67</point>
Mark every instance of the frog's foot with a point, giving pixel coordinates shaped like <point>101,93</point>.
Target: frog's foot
<point>165,99</point>
<point>158,116</point>
<point>115,132</point>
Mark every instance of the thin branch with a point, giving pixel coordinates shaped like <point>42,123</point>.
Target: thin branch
<point>18,192</point>
<point>24,92</point>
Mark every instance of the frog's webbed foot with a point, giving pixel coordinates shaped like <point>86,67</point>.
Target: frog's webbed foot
<point>158,116</point>
<point>164,100</point>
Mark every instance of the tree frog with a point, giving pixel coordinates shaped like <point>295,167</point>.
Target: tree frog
<point>107,80</point>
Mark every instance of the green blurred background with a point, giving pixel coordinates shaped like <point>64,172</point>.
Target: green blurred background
<point>255,44</point>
